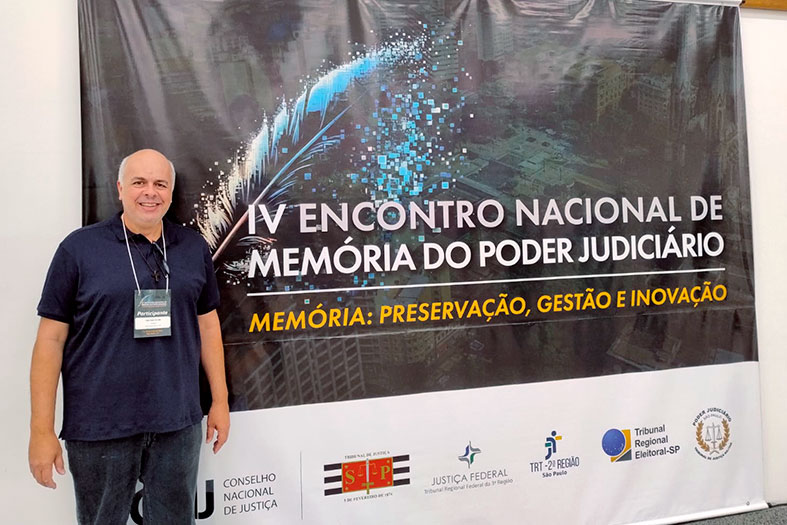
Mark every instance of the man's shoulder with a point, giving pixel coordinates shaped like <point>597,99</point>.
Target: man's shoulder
<point>80,236</point>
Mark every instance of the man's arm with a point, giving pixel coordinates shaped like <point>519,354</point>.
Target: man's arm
<point>212,356</point>
<point>45,450</point>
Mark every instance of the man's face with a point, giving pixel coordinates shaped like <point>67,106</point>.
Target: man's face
<point>146,188</point>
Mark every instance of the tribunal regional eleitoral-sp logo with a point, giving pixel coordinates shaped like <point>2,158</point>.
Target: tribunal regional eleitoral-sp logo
<point>638,443</point>
<point>617,444</point>
<point>713,433</point>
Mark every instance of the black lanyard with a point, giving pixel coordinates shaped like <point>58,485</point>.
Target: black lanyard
<point>131,259</point>
<point>161,269</point>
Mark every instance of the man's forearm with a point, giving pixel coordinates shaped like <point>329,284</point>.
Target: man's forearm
<point>212,356</point>
<point>45,374</point>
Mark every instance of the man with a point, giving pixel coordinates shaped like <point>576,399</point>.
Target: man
<point>128,312</point>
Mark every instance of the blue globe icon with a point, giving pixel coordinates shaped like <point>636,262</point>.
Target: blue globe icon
<point>613,442</point>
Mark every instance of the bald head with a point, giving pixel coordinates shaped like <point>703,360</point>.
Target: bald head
<point>149,155</point>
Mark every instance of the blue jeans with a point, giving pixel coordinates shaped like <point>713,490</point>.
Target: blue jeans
<point>106,472</point>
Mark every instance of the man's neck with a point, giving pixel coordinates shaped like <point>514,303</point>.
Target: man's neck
<point>151,232</point>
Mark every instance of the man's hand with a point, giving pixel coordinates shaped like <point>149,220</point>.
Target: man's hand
<point>45,451</point>
<point>218,420</point>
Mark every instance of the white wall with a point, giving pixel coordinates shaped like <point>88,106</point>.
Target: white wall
<point>40,152</point>
<point>764,36</point>
<point>40,173</point>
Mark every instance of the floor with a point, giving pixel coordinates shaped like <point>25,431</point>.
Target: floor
<point>772,516</point>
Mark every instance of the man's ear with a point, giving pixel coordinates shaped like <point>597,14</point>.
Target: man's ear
<point>119,186</point>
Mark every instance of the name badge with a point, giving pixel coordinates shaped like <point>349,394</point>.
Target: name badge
<point>152,313</point>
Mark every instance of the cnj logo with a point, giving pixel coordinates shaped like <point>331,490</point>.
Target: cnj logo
<point>617,444</point>
<point>552,464</point>
<point>470,454</point>
<point>136,506</point>
<point>712,432</point>
<point>365,475</point>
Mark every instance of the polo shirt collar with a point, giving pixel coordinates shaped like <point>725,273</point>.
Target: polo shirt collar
<point>116,225</point>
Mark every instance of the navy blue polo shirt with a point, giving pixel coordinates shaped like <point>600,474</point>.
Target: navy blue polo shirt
<point>114,385</point>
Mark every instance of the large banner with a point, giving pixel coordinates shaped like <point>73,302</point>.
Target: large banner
<point>425,197</point>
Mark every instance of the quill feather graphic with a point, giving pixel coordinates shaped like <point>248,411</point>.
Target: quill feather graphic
<point>265,166</point>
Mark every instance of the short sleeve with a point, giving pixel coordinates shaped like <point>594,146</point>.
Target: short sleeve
<point>209,297</point>
<point>58,299</point>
